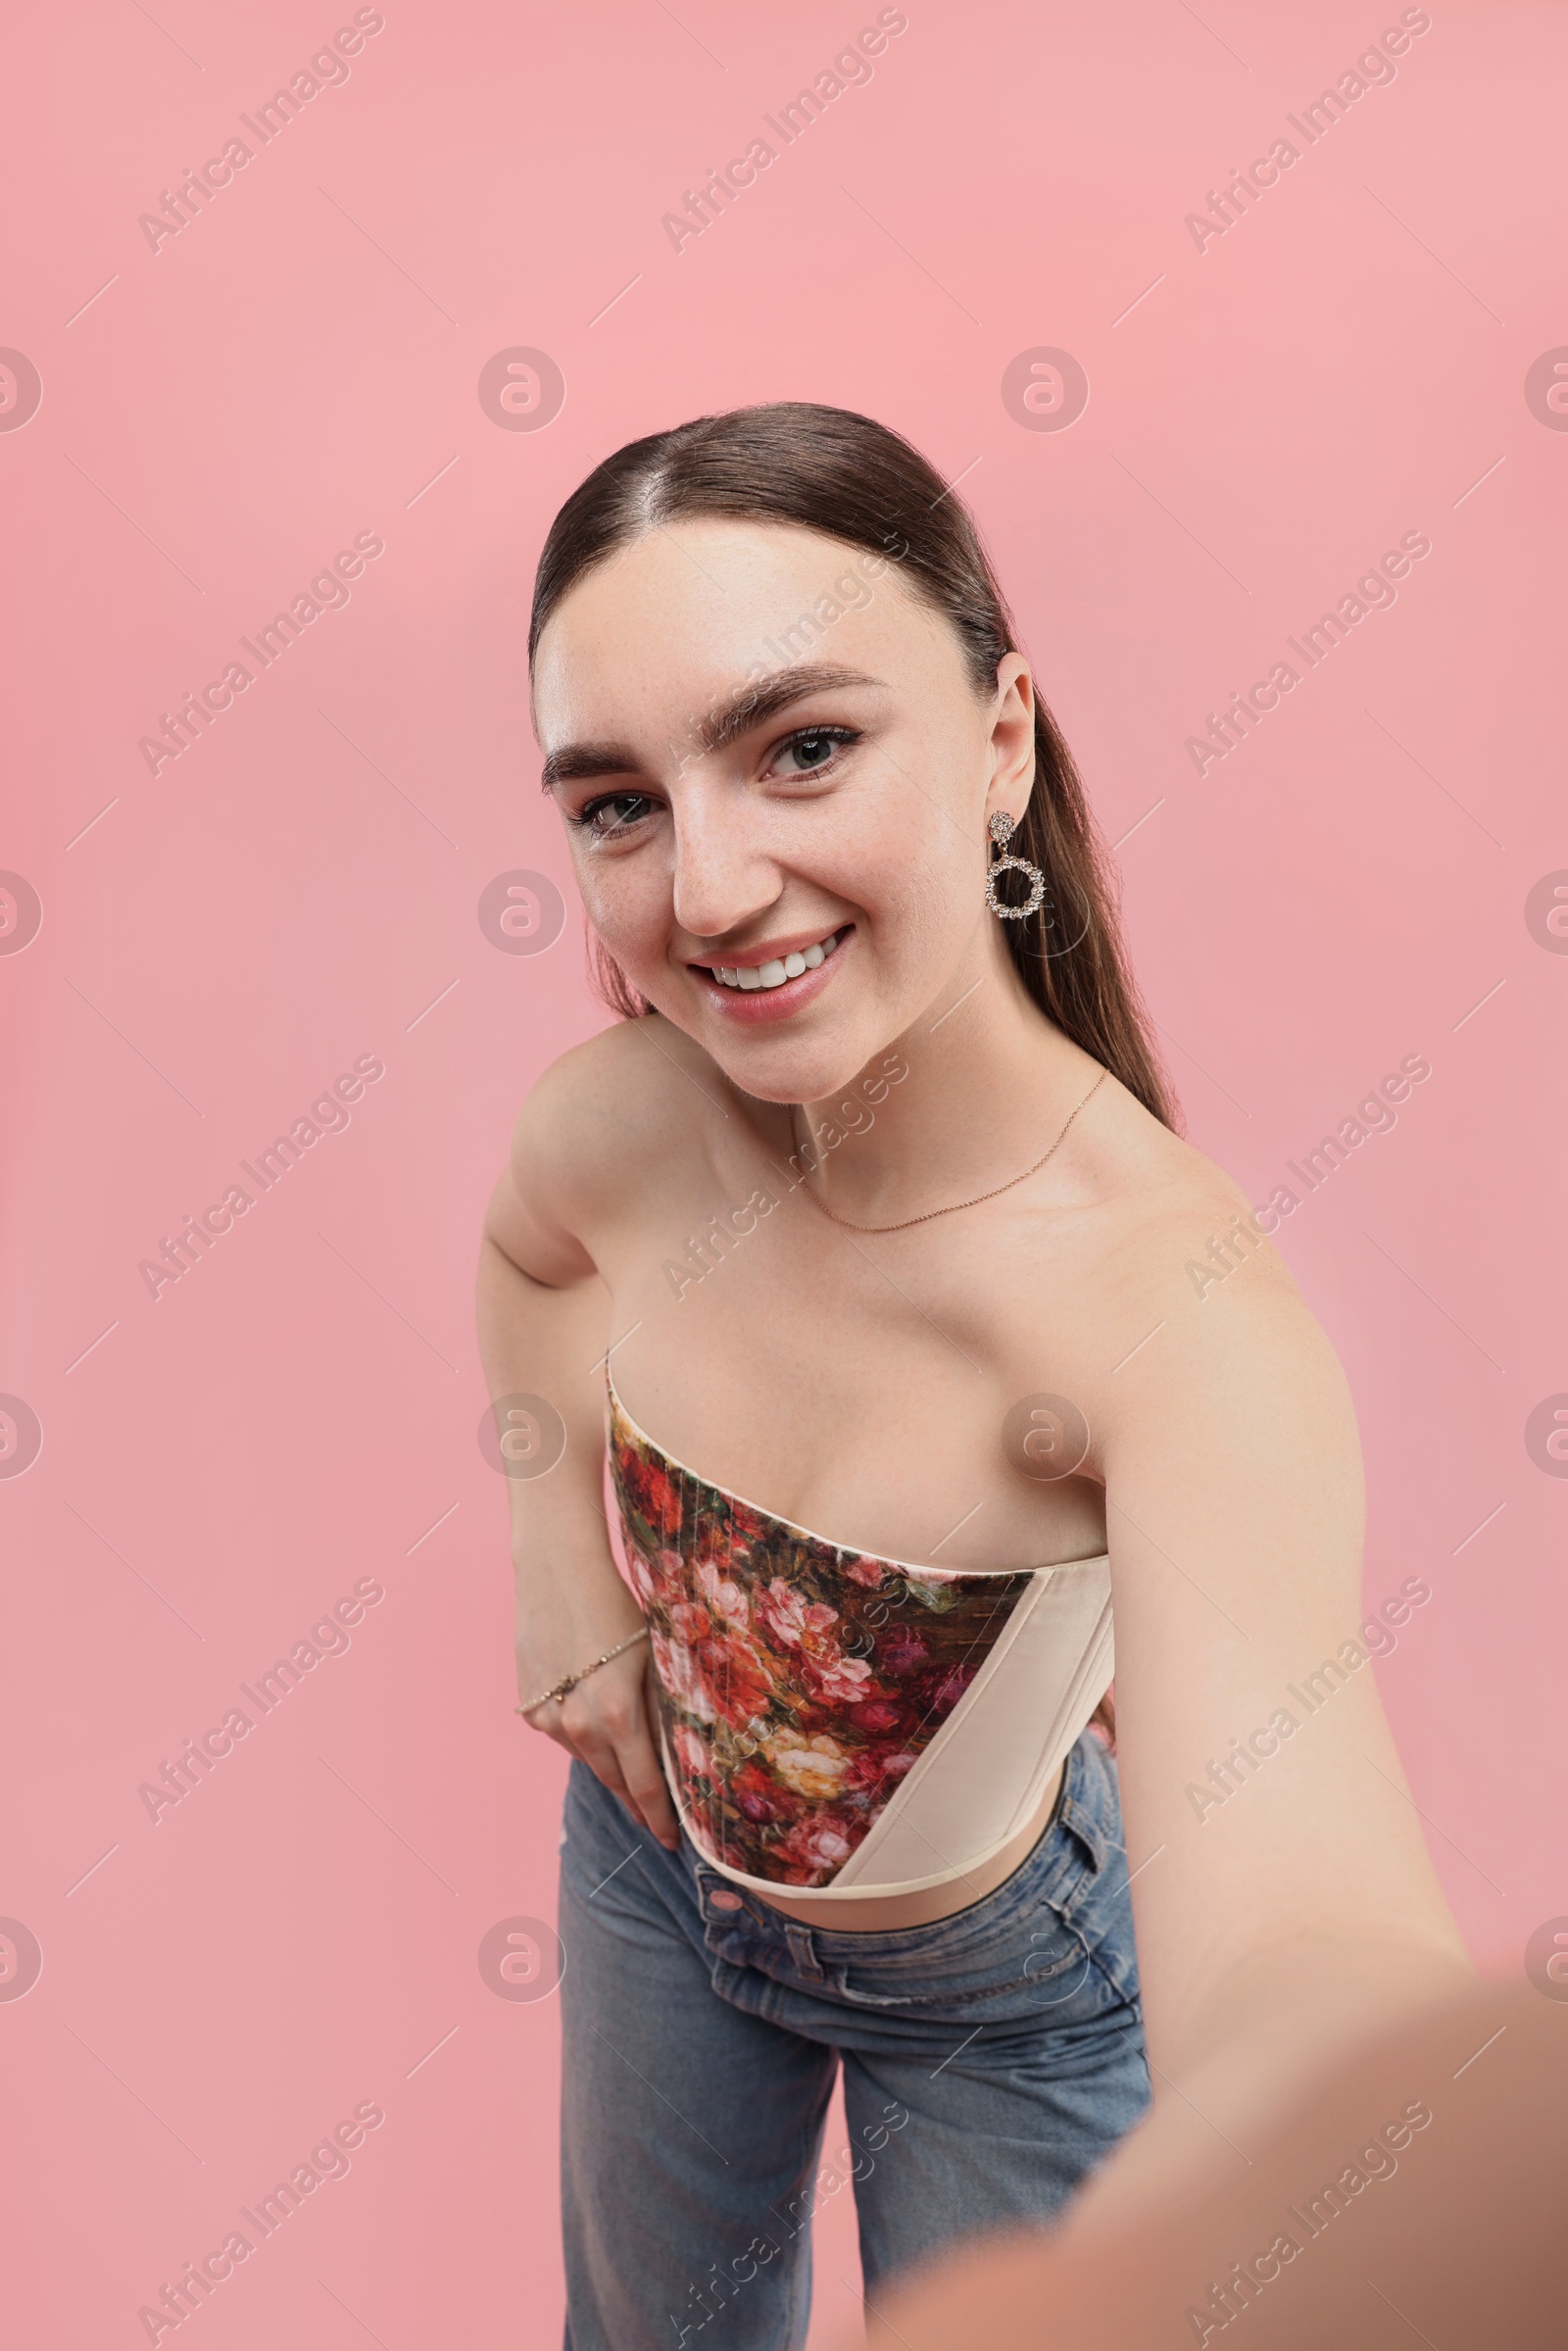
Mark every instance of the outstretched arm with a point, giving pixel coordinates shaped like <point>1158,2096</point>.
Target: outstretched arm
<point>1415,2194</point>
<point>1284,1899</point>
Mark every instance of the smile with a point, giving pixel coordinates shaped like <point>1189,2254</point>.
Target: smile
<point>777,970</point>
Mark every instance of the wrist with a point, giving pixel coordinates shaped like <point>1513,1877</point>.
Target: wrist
<point>568,1681</point>
<point>557,1632</point>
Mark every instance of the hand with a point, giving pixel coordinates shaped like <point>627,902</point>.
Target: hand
<point>606,1723</point>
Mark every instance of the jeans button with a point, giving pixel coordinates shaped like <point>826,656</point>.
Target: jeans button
<point>724,1900</point>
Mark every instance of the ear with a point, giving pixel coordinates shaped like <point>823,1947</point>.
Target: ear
<point>1012,739</point>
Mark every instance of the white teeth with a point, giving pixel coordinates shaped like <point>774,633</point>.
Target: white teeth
<point>776,971</point>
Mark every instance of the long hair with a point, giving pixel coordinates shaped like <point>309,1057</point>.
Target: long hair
<point>830,470</point>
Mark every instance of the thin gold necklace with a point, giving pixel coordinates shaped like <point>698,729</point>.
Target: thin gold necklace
<point>953,1206</point>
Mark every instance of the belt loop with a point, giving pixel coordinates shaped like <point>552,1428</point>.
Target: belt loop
<point>802,1949</point>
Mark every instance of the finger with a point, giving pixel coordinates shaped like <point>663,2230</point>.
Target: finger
<point>618,1716</point>
<point>599,1755</point>
<point>626,1713</point>
<point>650,1791</point>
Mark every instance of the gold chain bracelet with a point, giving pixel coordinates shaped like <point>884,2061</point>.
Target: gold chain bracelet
<point>570,1680</point>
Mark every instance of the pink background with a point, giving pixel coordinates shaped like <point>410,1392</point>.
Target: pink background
<point>300,1411</point>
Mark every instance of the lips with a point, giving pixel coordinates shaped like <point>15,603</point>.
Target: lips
<point>765,970</point>
<point>779,977</point>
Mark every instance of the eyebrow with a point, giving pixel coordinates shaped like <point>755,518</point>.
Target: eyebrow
<point>752,705</point>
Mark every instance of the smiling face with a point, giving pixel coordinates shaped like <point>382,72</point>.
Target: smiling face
<point>779,830</point>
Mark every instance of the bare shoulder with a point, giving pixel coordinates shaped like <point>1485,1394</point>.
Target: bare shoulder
<point>601,1112</point>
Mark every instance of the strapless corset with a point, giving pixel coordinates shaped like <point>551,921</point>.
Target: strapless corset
<point>835,1722</point>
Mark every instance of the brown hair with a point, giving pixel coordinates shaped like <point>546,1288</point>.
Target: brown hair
<point>830,470</point>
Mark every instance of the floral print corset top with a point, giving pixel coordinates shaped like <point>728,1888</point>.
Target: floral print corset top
<point>798,1684</point>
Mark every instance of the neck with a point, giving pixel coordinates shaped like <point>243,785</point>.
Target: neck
<point>991,1082</point>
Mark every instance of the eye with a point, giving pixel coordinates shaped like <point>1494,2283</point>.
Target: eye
<point>613,813</point>
<point>814,747</point>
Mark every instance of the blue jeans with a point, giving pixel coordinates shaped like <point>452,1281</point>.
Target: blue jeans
<point>990,2061</point>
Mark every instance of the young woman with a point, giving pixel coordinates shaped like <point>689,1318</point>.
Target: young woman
<point>919,1337</point>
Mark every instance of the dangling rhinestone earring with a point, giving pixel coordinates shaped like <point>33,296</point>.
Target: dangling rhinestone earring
<point>1001,829</point>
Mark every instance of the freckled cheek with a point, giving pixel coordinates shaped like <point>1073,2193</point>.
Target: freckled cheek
<point>627,902</point>
<point>921,890</point>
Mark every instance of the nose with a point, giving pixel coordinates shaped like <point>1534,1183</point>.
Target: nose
<point>723,876</point>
